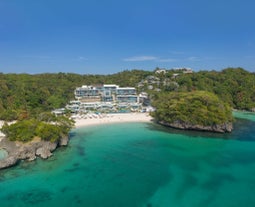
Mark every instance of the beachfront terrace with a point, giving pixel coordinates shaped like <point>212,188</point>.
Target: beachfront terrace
<point>126,91</point>
<point>127,99</point>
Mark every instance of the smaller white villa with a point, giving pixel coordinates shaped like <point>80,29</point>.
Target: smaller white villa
<point>158,71</point>
<point>184,70</point>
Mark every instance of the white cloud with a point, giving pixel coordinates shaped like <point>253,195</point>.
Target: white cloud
<point>149,58</point>
<point>81,58</point>
<point>167,60</point>
<point>140,58</point>
<point>193,58</point>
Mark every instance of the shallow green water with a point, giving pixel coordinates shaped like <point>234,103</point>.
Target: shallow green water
<point>244,115</point>
<point>139,164</point>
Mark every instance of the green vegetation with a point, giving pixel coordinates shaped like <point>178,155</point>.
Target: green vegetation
<point>26,130</point>
<point>30,98</point>
<point>24,96</point>
<point>235,86</point>
<point>195,108</point>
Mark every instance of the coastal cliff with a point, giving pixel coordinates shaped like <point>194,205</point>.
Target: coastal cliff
<point>220,128</point>
<point>17,151</point>
<point>31,138</point>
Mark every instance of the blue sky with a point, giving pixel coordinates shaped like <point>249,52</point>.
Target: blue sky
<point>104,37</point>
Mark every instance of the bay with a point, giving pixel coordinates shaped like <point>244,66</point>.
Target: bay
<point>140,164</point>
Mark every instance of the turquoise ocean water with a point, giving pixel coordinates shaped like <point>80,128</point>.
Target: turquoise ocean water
<point>140,164</point>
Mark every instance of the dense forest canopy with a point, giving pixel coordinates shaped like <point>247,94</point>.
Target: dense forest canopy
<point>195,108</point>
<point>233,85</point>
<point>25,96</point>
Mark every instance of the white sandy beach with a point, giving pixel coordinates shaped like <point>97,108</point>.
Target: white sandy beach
<point>112,118</point>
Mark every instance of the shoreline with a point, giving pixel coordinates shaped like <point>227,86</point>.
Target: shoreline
<point>111,118</point>
<point>16,151</point>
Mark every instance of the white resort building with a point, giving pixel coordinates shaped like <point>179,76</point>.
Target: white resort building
<point>105,98</point>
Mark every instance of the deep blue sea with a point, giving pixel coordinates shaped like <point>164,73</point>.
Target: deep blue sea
<point>140,164</point>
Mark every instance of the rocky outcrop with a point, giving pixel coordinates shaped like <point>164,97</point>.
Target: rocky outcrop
<point>43,152</point>
<point>9,161</point>
<point>64,141</point>
<point>28,151</point>
<point>221,128</point>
